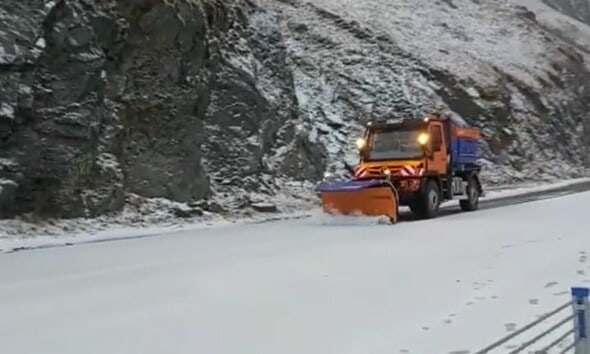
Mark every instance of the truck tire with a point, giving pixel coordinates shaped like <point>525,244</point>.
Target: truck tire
<point>472,201</point>
<point>416,208</point>
<point>428,203</point>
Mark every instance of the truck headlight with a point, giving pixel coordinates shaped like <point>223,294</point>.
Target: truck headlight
<point>423,138</point>
<point>360,143</point>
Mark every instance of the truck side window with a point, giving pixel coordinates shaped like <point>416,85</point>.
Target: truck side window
<point>436,134</point>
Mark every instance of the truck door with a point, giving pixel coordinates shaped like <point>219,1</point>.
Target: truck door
<point>438,160</point>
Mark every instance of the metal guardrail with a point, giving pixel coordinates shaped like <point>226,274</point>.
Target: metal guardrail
<point>579,331</point>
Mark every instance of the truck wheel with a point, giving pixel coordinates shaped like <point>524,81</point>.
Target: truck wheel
<point>429,202</point>
<point>432,199</point>
<point>472,201</point>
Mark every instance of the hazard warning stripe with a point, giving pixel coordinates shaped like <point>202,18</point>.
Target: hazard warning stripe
<point>360,171</point>
<point>408,171</point>
<point>405,171</point>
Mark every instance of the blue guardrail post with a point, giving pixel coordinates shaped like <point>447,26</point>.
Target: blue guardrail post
<point>581,320</point>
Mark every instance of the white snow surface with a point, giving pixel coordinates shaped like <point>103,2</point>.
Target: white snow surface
<point>6,110</point>
<point>465,37</point>
<point>571,28</point>
<point>317,285</point>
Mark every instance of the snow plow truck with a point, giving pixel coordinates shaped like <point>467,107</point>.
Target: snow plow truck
<point>419,163</point>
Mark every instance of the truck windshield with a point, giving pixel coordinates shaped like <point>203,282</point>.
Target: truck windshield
<point>394,144</point>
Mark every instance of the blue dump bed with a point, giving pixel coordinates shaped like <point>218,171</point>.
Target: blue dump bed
<point>464,142</point>
<point>463,152</point>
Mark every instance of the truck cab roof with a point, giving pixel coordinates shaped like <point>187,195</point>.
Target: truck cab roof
<point>456,129</point>
<point>406,122</point>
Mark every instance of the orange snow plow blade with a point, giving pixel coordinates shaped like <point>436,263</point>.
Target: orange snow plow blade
<point>369,198</point>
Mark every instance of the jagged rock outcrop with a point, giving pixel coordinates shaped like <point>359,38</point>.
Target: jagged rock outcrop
<point>226,99</point>
<point>150,97</point>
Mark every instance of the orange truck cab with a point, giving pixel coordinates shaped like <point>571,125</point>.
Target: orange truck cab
<point>419,163</point>
<point>428,160</point>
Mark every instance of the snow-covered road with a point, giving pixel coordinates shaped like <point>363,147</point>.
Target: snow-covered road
<point>301,286</point>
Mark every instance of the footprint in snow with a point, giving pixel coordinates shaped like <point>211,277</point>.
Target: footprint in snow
<point>581,272</point>
<point>550,284</point>
<point>404,351</point>
<point>479,286</point>
<point>495,297</point>
<point>460,352</point>
<point>534,301</point>
<point>507,246</point>
<point>510,327</point>
<point>448,321</point>
<point>561,293</point>
<point>425,328</point>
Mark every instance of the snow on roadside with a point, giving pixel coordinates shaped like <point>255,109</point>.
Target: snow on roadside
<point>144,217</point>
<point>530,187</point>
<point>150,217</point>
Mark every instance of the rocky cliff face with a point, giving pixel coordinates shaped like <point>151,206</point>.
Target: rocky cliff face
<point>215,99</point>
<point>493,63</point>
<point>149,97</point>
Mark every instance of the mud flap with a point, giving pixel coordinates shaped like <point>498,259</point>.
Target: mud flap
<point>360,197</point>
